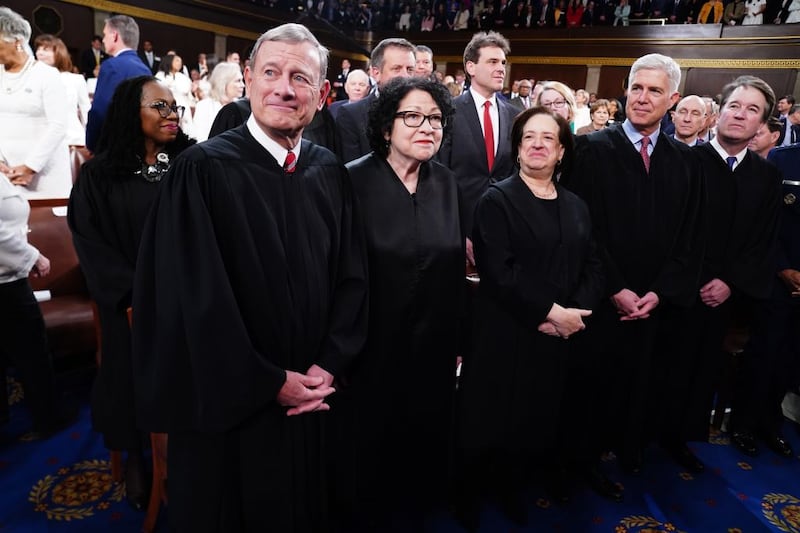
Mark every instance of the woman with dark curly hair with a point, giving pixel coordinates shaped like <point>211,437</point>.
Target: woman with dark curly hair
<point>107,211</point>
<point>399,405</point>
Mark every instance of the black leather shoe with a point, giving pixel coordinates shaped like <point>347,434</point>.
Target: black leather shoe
<point>136,485</point>
<point>745,443</point>
<point>778,444</point>
<point>601,484</point>
<point>684,457</point>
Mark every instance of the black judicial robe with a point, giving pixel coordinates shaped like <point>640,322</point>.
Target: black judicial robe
<point>649,236</point>
<point>646,224</point>
<point>400,403</point>
<point>107,214</point>
<point>530,253</point>
<point>245,272</point>
<point>740,211</point>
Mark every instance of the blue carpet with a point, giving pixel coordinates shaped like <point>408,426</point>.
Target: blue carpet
<point>64,485</point>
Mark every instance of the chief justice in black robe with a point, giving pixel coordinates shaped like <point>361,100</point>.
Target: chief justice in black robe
<point>250,298</point>
<point>540,279</point>
<point>398,410</point>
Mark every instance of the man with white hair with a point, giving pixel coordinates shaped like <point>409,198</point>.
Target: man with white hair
<point>357,87</point>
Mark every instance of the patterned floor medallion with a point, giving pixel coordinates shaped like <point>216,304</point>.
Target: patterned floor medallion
<point>782,511</point>
<point>76,492</point>
<point>644,524</point>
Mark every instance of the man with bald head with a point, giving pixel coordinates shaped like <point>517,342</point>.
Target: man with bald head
<point>689,118</point>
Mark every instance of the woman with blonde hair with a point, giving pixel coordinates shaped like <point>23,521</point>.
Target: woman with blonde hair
<point>558,98</point>
<point>226,86</point>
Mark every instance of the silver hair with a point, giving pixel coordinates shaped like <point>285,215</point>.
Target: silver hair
<point>658,62</point>
<point>224,73</point>
<point>294,33</point>
<point>127,29</point>
<point>13,26</point>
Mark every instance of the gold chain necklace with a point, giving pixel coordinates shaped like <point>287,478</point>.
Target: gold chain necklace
<point>19,78</point>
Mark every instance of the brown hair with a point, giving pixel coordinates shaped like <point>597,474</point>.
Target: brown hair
<point>61,58</point>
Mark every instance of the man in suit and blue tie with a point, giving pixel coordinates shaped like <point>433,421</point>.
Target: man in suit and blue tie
<point>120,38</point>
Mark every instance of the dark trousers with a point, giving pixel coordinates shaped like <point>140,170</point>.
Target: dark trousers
<point>769,365</point>
<point>24,345</point>
<point>688,363</point>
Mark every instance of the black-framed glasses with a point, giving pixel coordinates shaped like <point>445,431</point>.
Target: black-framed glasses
<point>165,110</point>
<point>555,104</point>
<point>413,119</point>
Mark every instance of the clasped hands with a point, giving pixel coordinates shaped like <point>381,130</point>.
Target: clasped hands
<point>791,278</point>
<point>18,175</point>
<point>563,321</point>
<point>305,393</point>
<point>715,292</point>
<point>632,307</point>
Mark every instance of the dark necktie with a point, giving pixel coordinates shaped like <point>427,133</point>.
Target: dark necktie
<point>290,164</point>
<point>488,134</point>
<point>731,162</point>
<point>644,154</point>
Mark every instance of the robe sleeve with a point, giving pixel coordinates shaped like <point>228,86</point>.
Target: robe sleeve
<point>347,330</point>
<point>591,282</point>
<point>108,273</point>
<point>527,295</point>
<point>677,281</point>
<point>194,361</point>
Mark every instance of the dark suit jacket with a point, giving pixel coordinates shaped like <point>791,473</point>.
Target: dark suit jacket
<point>88,62</point>
<point>336,106</point>
<point>351,130</point>
<point>794,132</point>
<point>114,71</point>
<point>156,62</point>
<point>787,159</point>
<point>465,154</point>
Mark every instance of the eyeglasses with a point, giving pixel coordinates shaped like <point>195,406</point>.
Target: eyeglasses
<point>412,119</point>
<point>165,110</point>
<point>555,104</point>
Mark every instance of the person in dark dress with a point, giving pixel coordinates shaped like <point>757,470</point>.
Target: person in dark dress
<point>250,297</point>
<point>398,409</point>
<point>540,279</point>
<point>107,210</point>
